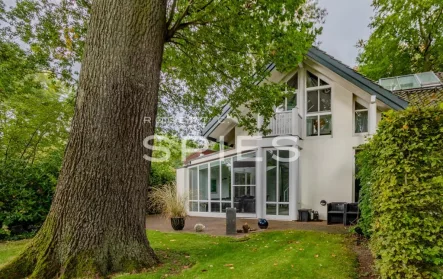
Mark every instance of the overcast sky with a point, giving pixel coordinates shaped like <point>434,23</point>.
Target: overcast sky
<point>347,21</point>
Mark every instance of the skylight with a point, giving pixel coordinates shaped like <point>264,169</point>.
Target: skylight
<point>410,81</point>
<point>428,78</point>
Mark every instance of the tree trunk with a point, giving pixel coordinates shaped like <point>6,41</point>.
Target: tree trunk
<point>96,225</point>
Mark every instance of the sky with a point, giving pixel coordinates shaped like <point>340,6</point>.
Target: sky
<point>346,23</point>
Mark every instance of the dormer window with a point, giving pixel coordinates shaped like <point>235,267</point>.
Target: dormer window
<point>290,100</point>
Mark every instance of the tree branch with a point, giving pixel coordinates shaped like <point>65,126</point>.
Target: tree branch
<point>170,32</point>
<point>429,38</point>
<point>190,23</point>
<point>179,24</point>
<point>171,13</point>
<point>205,6</point>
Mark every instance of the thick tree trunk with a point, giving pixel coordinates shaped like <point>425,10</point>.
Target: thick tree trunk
<point>96,225</point>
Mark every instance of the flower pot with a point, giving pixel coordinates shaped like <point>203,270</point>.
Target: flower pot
<point>178,223</point>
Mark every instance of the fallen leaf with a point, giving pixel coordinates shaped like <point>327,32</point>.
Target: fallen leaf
<point>231,267</point>
<point>316,256</point>
<point>334,255</point>
<point>185,267</point>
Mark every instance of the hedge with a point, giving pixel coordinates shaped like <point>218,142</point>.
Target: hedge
<point>25,195</point>
<point>401,169</point>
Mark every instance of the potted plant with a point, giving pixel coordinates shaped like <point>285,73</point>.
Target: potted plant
<point>171,204</point>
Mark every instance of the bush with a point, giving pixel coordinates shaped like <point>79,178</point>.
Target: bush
<point>25,196</point>
<point>161,174</point>
<point>402,200</point>
<point>168,201</point>
<point>365,162</point>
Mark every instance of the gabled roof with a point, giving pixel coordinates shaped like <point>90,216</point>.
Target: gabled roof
<point>356,78</point>
<point>424,96</point>
<point>342,70</point>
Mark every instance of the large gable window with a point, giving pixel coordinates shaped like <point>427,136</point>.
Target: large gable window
<point>318,107</point>
<point>361,117</point>
<point>290,100</point>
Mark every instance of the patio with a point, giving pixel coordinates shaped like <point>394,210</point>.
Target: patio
<point>217,226</point>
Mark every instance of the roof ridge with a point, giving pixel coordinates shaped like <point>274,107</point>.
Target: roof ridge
<point>352,69</point>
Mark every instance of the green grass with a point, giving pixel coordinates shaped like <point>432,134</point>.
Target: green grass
<point>10,249</point>
<point>283,254</point>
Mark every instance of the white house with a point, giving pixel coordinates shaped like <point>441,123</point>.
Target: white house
<point>332,111</point>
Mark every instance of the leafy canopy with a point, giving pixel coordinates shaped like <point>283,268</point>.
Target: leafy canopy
<point>215,51</point>
<point>407,38</point>
<point>35,113</point>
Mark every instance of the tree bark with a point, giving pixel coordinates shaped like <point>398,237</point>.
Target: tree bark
<point>96,225</point>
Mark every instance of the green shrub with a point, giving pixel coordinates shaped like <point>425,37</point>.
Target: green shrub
<point>161,174</point>
<point>25,195</point>
<point>402,199</point>
<point>365,162</point>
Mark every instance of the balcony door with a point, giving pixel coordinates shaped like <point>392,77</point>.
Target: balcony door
<point>278,183</point>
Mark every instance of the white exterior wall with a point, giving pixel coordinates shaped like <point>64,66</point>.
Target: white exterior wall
<point>327,162</point>
<point>181,178</point>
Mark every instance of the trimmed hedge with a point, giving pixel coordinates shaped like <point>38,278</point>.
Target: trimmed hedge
<point>401,169</point>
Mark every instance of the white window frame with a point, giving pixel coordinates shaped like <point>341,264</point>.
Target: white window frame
<point>354,111</point>
<point>229,160</point>
<point>284,108</point>
<point>319,113</point>
<point>277,201</point>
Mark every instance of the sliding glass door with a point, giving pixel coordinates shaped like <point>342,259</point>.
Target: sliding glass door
<point>277,182</point>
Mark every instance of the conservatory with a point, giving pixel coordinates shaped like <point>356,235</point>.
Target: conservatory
<point>257,183</point>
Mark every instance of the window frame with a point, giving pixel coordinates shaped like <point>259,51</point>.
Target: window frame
<point>318,114</point>
<point>209,201</point>
<point>277,201</point>
<point>284,107</point>
<point>354,111</point>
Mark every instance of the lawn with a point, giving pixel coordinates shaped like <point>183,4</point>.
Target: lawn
<point>9,249</point>
<point>284,254</point>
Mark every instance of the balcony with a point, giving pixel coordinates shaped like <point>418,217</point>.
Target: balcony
<point>285,123</point>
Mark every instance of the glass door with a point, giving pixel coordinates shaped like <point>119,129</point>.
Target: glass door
<point>277,182</point>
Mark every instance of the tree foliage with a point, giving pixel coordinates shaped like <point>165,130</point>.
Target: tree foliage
<point>35,123</point>
<point>402,172</point>
<point>407,38</point>
<point>215,54</point>
<point>17,68</point>
<point>35,113</point>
